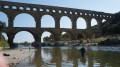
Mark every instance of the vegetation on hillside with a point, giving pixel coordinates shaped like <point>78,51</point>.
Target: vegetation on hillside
<point>3,42</point>
<point>112,27</point>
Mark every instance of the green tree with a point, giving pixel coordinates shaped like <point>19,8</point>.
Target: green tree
<point>3,42</point>
<point>65,37</point>
<point>47,39</point>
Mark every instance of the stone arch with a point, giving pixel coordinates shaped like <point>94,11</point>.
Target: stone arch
<point>48,34</point>
<point>68,33</point>
<point>80,36</point>
<point>94,23</point>
<point>5,35</point>
<point>49,23</point>
<point>29,20</point>
<point>23,35</point>
<point>81,23</point>
<point>65,22</point>
<point>4,18</point>
<point>104,20</point>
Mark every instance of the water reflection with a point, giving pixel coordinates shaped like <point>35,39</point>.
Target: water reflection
<point>37,59</point>
<point>71,57</point>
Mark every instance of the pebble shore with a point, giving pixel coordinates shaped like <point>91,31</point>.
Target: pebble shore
<point>17,55</point>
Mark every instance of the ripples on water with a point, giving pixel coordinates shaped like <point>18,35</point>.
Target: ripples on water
<point>71,57</point>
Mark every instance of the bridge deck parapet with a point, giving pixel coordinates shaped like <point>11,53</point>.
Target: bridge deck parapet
<point>52,9</point>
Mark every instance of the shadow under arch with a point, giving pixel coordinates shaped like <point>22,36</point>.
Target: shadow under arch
<point>80,36</point>
<point>27,36</point>
<point>47,20</point>
<point>24,20</point>
<point>67,34</point>
<point>81,23</point>
<point>65,22</point>
<point>4,18</point>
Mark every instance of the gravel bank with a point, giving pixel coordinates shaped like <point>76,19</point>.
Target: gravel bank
<point>15,56</point>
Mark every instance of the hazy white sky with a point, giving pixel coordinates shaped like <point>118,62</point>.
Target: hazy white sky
<point>108,6</point>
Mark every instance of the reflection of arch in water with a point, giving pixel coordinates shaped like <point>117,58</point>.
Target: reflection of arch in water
<point>90,56</point>
<point>57,56</point>
<point>38,58</point>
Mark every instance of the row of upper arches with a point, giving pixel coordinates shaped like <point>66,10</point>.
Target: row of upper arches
<point>57,11</point>
<point>26,20</point>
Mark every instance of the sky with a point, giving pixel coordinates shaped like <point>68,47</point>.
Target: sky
<point>107,6</point>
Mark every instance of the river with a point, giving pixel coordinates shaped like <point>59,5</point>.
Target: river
<point>71,57</point>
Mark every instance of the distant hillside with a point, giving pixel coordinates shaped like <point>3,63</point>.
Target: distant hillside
<point>113,27</point>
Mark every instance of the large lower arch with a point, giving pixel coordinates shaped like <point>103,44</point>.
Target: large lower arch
<point>24,20</point>
<point>81,23</point>
<point>23,36</point>
<point>5,36</point>
<point>47,35</point>
<point>4,18</point>
<point>47,21</point>
<point>104,20</point>
<point>80,36</point>
<point>66,36</point>
<point>65,22</point>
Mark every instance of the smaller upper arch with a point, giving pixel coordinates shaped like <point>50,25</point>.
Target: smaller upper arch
<point>6,6</point>
<point>14,7</point>
<point>28,8</point>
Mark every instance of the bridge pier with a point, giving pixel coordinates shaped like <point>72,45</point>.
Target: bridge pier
<point>88,23</point>
<point>57,22</point>
<point>37,42</point>
<point>10,41</point>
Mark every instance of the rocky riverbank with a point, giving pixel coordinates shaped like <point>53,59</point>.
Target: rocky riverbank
<point>15,56</point>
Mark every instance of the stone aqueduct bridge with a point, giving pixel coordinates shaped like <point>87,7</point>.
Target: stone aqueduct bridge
<point>12,9</point>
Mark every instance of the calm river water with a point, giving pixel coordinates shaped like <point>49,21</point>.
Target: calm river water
<point>71,57</point>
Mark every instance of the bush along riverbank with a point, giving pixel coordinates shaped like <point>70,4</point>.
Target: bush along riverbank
<point>110,42</point>
<point>3,43</point>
